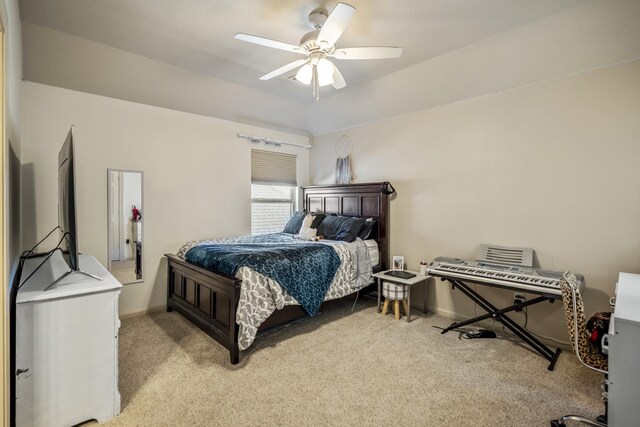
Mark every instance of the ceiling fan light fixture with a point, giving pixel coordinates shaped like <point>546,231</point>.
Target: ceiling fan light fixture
<point>325,72</point>
<point>320,44</point>
<point>304,74</point>
<point>325,81</point>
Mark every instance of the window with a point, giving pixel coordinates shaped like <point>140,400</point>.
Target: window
<point>273,190</point>
<point>271,207</point>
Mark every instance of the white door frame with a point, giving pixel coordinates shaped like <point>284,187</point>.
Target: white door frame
<point>113,218</point>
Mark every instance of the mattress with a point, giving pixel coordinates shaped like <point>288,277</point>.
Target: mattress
<point>374,251</point>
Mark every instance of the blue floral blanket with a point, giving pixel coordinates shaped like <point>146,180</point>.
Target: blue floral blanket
<point>304,270</point>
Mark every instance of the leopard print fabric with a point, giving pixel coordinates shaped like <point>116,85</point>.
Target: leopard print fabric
<point>588,352</point>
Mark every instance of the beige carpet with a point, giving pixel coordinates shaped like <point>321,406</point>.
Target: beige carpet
<point>346,369</point>
<point>124,271</point>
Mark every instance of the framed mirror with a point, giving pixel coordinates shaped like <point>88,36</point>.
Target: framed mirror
<point>125,210</point>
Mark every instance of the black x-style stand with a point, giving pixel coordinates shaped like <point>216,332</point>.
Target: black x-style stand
<point>499,315</point>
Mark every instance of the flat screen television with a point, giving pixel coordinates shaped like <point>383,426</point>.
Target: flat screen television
<point>67,203</point>
<point>67,213</point>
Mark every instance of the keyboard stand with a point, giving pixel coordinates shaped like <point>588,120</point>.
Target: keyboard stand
<point>499,315</point>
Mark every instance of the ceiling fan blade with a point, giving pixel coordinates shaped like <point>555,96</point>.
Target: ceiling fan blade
<point>338,80</point>
<point>335,24</point>
<point>284,69</point>
<point>270,43</point>
<point>374,52</point>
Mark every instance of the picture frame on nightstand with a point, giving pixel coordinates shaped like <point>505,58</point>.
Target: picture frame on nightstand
<point>398,262</point>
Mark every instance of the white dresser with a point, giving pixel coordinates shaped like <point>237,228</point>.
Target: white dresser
<point>66,345</point>
<point>624,353</point>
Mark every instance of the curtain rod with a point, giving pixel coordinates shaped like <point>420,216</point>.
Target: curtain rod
<point>269,141</point>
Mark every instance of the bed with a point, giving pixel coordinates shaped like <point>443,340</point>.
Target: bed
<point>212,300</point>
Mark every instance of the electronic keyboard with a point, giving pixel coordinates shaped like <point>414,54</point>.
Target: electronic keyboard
<point>527,279</point>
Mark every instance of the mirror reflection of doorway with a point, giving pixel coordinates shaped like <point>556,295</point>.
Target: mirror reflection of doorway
<point>125,225</point>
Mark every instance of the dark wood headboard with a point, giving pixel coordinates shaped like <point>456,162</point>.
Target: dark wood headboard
<point>362,200</point>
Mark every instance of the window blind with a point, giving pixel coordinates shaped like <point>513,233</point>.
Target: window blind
<point>268,167</point>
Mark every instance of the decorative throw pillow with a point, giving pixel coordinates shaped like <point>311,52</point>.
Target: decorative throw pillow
<point>294,223</point>
<point>366,229</point>
<point>306,232</point>
<point>319,216</point>
<point>342,228</point>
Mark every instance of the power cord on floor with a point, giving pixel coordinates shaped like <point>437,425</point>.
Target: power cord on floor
<point>353,307</point>
<point>464,333</point>
<point>469,333</point>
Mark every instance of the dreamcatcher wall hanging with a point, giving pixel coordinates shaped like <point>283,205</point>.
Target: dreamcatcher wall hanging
<point>343,161</point>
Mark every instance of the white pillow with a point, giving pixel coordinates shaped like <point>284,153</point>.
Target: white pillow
<point>306,232</point>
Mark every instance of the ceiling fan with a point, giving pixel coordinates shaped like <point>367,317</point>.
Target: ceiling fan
<point>319,45</point>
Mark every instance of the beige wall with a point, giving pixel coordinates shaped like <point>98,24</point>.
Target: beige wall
<point>60,59</point>
<point>196,174</point>
<point>552,166</point>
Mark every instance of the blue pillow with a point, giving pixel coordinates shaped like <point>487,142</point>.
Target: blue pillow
<point>295,223</point>
<point>366,229</point>
<point>342,228</point>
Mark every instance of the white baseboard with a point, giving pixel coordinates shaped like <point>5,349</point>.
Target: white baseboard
<point>150,310</point>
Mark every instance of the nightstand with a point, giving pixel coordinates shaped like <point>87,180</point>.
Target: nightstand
<point>406,285</point>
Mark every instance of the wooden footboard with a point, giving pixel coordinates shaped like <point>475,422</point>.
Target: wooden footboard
<point>207,299</point>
